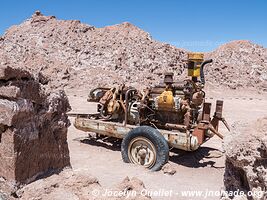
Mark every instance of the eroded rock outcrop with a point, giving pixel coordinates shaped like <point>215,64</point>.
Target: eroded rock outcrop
<point>33,127</point>
<point>76,55</point>
<point>69,185</point>
<point>246,162</point>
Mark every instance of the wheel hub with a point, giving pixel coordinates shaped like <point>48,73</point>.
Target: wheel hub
<point>142,151</point>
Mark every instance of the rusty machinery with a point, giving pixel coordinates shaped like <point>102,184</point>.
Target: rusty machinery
<point>171,105</point>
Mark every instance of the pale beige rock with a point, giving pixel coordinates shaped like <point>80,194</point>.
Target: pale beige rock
<point>168,169</point>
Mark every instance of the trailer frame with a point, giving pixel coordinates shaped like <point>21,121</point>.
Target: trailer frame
<point>176,139</point>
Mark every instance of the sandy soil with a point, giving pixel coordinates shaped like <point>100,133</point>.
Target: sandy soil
<point>201,170</point>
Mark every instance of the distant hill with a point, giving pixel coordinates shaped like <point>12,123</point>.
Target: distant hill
<point>239,64</point>
<point>76,55</point>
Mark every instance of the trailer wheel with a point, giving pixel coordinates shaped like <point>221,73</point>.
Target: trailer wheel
<point>145,146</point>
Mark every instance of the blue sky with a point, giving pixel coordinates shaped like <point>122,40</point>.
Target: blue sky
<point>197,25</point>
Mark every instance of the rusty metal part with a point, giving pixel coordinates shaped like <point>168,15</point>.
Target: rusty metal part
<point>107,97</point>
<point>96,94</point>
<point>206,112</point>
<point>113,106</point>
<point>211,127</point>
<point>158,89</point>
<point>194,86</point>
<point>112,103</point>
<point>186,109</point>
<point>122,105</point>
<point>176,126</point>
<point>198,98</point>
<point>217,117</point>
<point>176,139</point>
<point>104,112</point>
<point>225,123</point>
<point>144,94</point>
<point>187,117</point>
<point>127,105</point>
<point>142,151</point>
<point>200,130</point>
<point>219,108</point>
<point>200,134</point>
<point>168,78</point>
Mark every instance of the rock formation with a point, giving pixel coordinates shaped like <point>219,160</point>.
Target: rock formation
<point>33,127</point>
<point>75,55</point>
<point>246,162</point>
<point>71,185</point>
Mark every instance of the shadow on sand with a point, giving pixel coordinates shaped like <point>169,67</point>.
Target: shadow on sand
<point>200,158</point>
<point>113,144</point>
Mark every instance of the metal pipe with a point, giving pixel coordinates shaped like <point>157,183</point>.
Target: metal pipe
<point>127,105</point>
<point>91,93</point>
<point>176,126</point>
<point>215,131</point>
<point>202,76</point>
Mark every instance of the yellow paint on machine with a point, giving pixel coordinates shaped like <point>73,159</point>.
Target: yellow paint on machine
<point>194,72</point>
<point>194,63</point>
<point>166,101</point>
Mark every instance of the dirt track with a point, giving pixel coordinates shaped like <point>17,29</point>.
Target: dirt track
<point>201,170</point>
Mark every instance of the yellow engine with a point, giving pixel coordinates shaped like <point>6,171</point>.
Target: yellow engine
<point>166,101</point>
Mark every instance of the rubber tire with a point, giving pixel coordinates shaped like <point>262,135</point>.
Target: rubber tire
<point>160,143</point>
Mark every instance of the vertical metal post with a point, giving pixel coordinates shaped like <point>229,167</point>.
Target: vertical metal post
<point>127,105</point>
<point>217,115</point>
<point>206,112</point>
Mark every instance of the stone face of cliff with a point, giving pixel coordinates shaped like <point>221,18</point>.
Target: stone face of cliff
<point>33,127</point>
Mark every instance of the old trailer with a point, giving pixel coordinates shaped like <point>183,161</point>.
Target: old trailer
<point>176,139</point>
<point>173,114</point>
<point>148,145</point>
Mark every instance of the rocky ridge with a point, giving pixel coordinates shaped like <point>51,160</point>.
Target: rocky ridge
<point>75,55</point>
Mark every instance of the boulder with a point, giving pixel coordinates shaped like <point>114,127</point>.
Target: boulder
<point>246,162</point>
<point>33,127</point>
